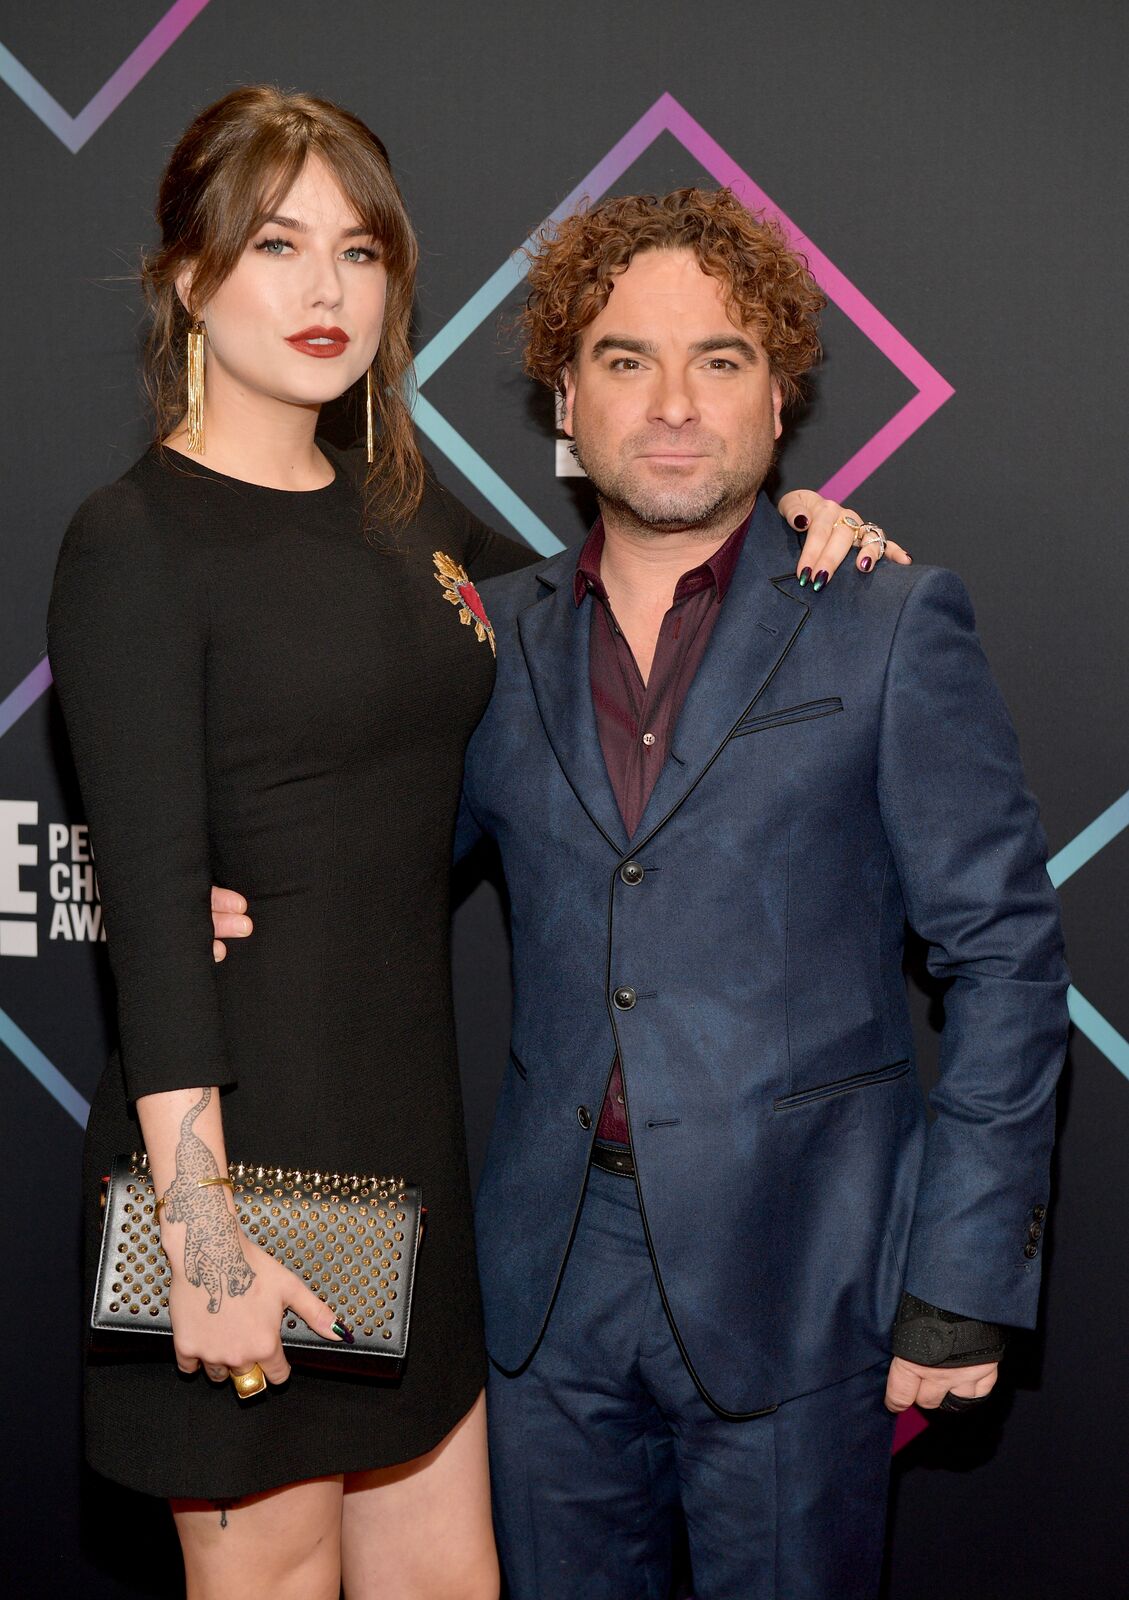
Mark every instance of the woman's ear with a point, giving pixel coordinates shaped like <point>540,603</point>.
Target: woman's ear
<point>182,283</point>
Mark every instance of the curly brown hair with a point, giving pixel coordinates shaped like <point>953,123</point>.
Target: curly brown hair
<point>767,284</point>
<point>228,171</point>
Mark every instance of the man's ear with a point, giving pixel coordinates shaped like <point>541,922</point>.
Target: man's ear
<point>777,403</point>
<point>567,401</point>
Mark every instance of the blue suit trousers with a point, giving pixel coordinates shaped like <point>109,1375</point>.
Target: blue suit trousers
<point>600,1440</point>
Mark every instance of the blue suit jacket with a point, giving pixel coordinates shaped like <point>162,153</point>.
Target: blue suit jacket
<point>843,763</point>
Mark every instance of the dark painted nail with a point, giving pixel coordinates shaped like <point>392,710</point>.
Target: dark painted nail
<point>799,522</point>
<point>865,564</point>
<point>342,1332</point>
<point>820,579</point>
<point>805,576</point>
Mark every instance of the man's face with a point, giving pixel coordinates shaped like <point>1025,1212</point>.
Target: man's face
<point>671,403</point>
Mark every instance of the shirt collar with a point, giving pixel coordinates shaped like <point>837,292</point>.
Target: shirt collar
<point>716,572</point>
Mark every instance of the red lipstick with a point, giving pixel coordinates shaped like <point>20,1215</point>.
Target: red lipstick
<point>320,342</point>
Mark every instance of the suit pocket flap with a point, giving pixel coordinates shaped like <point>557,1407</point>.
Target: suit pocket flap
<point>805,712</point>
<point>857,1080</point>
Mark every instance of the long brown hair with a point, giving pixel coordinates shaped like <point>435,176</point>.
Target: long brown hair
<point>227,174</point>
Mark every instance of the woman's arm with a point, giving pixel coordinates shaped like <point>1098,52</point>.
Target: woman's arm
<point>128,639</point>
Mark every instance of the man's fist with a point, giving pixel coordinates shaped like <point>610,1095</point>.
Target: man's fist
<point>909,1383</point>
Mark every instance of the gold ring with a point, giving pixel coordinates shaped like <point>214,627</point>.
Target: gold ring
<point>249,1381</point>
<point>850,522</point>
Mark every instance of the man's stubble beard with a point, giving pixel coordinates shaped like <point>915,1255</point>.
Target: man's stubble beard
<point>703,508</point>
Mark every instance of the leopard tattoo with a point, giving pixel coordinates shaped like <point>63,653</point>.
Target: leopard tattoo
<point>213,1249</point>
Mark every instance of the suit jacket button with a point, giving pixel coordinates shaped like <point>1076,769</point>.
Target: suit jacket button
<point>1038,1212</point>
<point>631,872</point>
<point>1030,1251</point>
<point>1035,1231</point>
<point>584,1117</point>
<point>623,999</point>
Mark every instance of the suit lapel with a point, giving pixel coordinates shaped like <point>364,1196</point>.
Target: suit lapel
<point>554,637</point>
<point>761,616</point>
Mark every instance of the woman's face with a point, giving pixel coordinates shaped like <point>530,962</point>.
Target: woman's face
<point>299,319</point>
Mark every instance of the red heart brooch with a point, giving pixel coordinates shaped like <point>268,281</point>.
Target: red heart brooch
<point>458,589</point>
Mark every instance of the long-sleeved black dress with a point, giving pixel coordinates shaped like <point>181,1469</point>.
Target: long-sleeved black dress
<point>261,693</point>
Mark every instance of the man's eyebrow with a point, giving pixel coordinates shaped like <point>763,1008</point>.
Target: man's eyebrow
<point>300,227</point>
<point>725,341</point>
<point>616,341</point>
<point>644,347</point>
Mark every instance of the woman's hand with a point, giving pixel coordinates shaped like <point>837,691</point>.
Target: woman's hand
<point>229,920</point>
<point>825,545</point>
<point>228,1295</point>
<point>232,1318</point>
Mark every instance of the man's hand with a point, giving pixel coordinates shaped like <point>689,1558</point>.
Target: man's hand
<point>910,1383</point>
<point>229,920</point>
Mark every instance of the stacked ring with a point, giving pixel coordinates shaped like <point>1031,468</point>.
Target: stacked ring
<point>870,533</point>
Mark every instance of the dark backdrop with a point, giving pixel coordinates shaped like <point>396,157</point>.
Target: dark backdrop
<point>958,170</point>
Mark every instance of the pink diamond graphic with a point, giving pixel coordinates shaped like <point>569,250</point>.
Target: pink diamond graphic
<point>75,131</point>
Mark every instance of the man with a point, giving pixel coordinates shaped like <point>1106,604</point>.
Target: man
<point>710,1207</point>
<point>718,798</point>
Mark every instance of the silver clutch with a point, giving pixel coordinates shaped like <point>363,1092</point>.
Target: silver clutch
<point>353,1240</point>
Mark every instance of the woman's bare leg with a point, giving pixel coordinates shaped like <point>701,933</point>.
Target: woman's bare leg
<point>281,1545</point>
<point>422,1530</point>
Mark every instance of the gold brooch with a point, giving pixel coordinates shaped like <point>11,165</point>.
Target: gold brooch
<point>458,589</point>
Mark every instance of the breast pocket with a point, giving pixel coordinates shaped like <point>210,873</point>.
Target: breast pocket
<point>806,711</point>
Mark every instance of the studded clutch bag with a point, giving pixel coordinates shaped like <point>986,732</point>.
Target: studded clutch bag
<point>354,1240</point>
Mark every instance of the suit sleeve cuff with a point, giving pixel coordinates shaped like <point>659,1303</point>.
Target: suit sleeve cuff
<point>936,1338</point>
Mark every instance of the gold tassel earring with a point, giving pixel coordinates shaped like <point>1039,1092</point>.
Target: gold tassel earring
<point>370,430</point>
<point>196,389</point>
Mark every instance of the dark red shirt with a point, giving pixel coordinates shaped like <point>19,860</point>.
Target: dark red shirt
<point>636,720</point>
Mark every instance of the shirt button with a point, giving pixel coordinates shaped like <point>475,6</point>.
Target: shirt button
<point>619,1100</point>
<point>623,999</point>
<point>584,1117</point>
<point>631,872</point>
<point>648,739</point>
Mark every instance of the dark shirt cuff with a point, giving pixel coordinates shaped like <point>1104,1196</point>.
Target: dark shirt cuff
<point>936,1338</point>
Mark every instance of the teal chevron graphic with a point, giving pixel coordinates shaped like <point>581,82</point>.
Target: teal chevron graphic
<point>75,131</point>
<point>1085,1017</point>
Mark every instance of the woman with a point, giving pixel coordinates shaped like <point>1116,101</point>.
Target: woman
<point>263,686</point>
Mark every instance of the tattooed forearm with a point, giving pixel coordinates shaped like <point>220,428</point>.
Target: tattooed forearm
<point>213,1247</point>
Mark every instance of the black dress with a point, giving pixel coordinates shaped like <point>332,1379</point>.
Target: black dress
<point>259,693</point>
